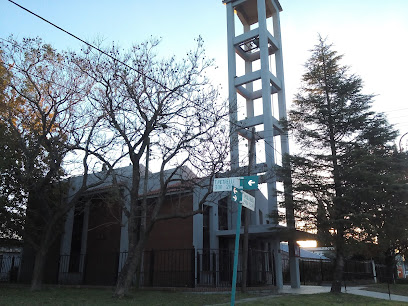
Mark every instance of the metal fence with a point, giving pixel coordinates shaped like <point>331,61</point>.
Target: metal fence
<point>9,265</point>
<point>202,268</point>
<point>318,271</point>
<point>315,271</point>
<point>215,267</point>
<point>71,269</point>
<point>168,268</point>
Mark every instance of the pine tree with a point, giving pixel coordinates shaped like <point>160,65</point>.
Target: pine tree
<point>347,182</point>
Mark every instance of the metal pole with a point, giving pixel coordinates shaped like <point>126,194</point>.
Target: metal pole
<point>234,273</point>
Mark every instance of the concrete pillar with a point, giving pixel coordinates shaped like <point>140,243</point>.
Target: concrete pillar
<point>294,271</point>
<point>232,93</point>
<point>84,238</point>
<point>275,244</point>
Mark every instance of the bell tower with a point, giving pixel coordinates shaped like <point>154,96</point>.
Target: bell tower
<point>257,103</point>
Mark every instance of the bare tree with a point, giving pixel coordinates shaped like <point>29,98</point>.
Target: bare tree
<point>167,106</point>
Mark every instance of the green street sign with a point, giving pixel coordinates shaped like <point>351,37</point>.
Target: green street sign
<point>250,182</point>
<point>240,196</point>
<point>236,194</point>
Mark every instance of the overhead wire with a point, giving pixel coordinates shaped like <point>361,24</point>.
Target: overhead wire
<point>126,65</point>
<point>98,49</point>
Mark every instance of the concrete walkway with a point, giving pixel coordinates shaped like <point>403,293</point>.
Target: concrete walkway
<point>325,289</point>
<point>350,290</point>
<point>377,295</point>
<point>304,290</point>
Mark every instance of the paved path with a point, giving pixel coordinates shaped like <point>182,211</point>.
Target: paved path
<point>325,289</point>
<point>350,290</point>
<point>377,295</point>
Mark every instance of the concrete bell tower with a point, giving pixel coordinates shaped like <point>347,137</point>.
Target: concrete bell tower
<point>257,99</point>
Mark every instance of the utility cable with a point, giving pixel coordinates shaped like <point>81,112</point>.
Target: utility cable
<point>98,49</point>
<point>113,58</point>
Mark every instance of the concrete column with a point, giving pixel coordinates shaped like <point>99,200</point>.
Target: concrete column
<point>294,272</point>
<point>213,226</point>
<point>278,263</point>
<point>67,235</point>
<point>231,87</point>
<point>293,260</point>
<point>267,110</point>
<point>197,220</point>
<point>84,238</point>
<point>124,235</point>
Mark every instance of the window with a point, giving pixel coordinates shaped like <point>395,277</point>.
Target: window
<point>223,214</point>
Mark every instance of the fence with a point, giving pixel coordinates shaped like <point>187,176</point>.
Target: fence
<point>9,265</point>
<point>71,269</point>
<point>193,268</point>
<point>315,271</point>
<point>318,271</point>
<point>215,267</point>
<point>168,268</point>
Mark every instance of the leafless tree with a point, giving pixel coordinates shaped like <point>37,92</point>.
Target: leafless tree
<point>168,108</point>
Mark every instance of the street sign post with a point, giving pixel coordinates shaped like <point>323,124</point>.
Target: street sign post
<point>242,199</point>
<point>236,185</point>
<point>235,268</point>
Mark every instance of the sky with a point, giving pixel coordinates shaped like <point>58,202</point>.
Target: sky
<point>372,35</point>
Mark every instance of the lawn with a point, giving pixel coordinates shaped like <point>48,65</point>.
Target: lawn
<point>83,296</point>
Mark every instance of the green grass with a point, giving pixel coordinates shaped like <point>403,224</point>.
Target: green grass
<point>398,289</point>
<point>83,296</point>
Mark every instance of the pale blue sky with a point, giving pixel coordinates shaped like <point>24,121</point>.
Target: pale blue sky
<point>371,33</point>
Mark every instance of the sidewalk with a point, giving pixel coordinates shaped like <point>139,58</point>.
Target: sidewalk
<point>377,295</point>
<point>350,290</point>
<point>325,289</point>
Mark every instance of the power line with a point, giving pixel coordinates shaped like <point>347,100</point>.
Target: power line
<point>115,59</point>
<point>99,50</point>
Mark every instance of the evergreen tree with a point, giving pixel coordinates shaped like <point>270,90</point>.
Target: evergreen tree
<point>347,181</point>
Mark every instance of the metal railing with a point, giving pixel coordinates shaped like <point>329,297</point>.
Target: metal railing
<point>9,265</point>
<point>203,268</point>
<point>214,268</point>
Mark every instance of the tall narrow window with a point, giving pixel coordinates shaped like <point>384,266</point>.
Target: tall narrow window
<point>223,214</point>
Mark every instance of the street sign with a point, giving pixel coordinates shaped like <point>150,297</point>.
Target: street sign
<point>225,184</point>
<point>246,182</point>
<point>248,201</point>
<point>250,182</point>
<point>240,196</point>
<point>236,194</point>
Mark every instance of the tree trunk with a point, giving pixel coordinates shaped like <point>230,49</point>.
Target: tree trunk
<point>38,271</point>
<point>338,272</point>
<point>131,266</point>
